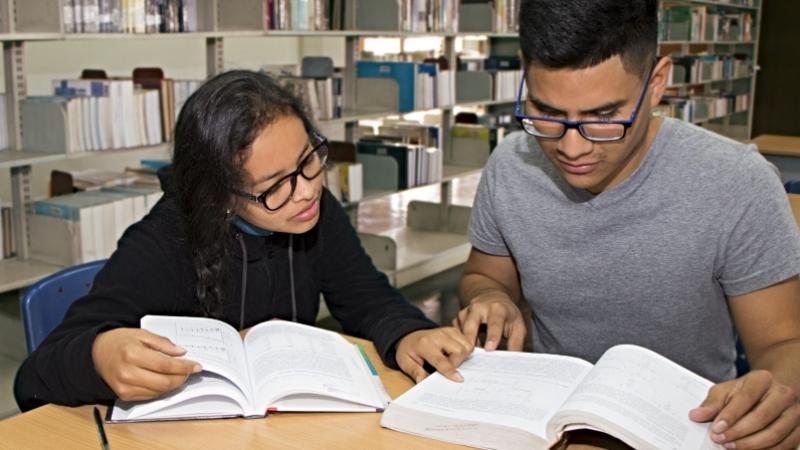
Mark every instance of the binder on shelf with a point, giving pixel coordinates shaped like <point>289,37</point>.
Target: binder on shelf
<point>56,128</point>
<point>473,86</point>
<point>373,15</point>
<point>377,94</point>
<point>476,16</point>
<point>471,145</point>
<point>403,73</point>
<point>385,165</point>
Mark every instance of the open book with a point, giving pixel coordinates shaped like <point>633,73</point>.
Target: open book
<point>279,366</point>
<point>511,400</point>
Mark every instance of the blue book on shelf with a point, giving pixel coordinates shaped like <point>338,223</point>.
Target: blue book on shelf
<point>81,88</point>
<point>66,206</point>
<point>402,72</point>
<point>154,164</point>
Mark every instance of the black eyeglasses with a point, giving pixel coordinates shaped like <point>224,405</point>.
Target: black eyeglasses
<point>279,194</point>
<point>592,130</point>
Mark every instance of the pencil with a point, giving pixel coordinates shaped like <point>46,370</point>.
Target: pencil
<point>100,430</point>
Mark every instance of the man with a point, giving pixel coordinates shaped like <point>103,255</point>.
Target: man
<point>619,227</point>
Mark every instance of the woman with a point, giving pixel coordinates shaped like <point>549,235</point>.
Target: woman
<point>246,233</point>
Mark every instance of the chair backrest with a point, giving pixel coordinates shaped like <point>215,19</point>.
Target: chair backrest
<point>46,302</point>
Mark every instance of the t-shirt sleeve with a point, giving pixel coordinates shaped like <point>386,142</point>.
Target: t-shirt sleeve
<point>762,243</point>
<point>484,233</point>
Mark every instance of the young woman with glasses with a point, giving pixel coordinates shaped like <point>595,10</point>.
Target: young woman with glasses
<point>246,233</point>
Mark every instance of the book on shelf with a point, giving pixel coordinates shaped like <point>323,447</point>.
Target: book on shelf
<point>704,23</point>
<point>85,226</point>
<point>130,16</point>
<point>345,180</point>
<point>516,400</point>
<point>420,85</point>
<point>472,144</point>
<point>9,241</point>
<point>101,114</point>
<point>394,165</point>
<point>278,367</point>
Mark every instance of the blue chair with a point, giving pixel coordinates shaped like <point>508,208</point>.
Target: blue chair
<point>46,302</point>
<point>742,366</point>
<point>792,186</point>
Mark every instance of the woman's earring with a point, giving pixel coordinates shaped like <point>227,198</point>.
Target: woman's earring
<point>227,213</point>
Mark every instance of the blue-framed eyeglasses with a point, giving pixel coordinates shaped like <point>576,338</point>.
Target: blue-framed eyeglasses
<point>279,194</point>
<point>592,130</point>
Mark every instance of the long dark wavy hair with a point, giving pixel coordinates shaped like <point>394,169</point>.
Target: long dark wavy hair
<point>213,135</point>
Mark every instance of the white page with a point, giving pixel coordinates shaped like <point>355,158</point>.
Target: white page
<point>203,395</point>
<point>212,343</point>
<point>643,394</point>
<point>520,390</point>
<point>287,358</point>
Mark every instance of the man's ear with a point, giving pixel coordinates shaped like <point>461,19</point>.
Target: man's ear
<point>660,79</point>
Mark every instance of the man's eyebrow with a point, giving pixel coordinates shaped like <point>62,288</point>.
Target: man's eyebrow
<point>609,106</point>
<point>270,176</point>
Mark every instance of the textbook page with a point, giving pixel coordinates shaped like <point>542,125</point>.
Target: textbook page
<point>507,389</point>
<point>293,363</point>
<point>203,395</point>
<point>641,398</point>
<point>214,344</point>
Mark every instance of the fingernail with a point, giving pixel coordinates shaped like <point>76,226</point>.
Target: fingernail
<point>458,377</point>
<point>197,368</point>
<point>730,445</point>
<point>718,438</point>
<point>181,349</point>
<point>719,426</point>
<point>489,345</point>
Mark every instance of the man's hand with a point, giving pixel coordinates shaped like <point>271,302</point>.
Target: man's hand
<point>502,319</point>
<point>752,412</point>
<point>139,365</point>
<point>443,348</point>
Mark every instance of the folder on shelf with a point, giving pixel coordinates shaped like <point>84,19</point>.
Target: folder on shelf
<point>403,73</point>
<point>472,144</point>
<point>473,86</point>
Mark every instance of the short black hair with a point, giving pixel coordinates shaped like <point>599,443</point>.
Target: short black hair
<point>577,34</point>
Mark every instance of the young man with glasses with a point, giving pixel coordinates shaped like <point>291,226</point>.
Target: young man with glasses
<point>619,227</point>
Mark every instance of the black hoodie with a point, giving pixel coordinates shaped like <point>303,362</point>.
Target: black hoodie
<point>151,273</point>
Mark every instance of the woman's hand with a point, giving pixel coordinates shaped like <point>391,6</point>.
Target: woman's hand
<point>139,365</point>
<point>443,348</point>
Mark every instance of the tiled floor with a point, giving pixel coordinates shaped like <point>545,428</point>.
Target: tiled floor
<point>12,350</point>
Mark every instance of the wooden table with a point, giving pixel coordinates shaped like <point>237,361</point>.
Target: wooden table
<point>62,427</point>
<point>777,145</point>
<point>794,202</point>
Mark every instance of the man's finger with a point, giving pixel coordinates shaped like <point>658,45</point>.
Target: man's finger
<point>459,337</point>
<point>771,436</point>
<point>745,395</point>
<point>472,323</point>
<point>516,335</point>
<point>714,402</point>
<point>494,328</point>
<point>775,403</point>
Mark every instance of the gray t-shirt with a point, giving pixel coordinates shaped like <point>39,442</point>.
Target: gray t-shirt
<point>650,261</point>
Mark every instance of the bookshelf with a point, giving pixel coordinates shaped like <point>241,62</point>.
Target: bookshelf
<point>429,235</point>
<point>43,20</point>
<point>714,32</point>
